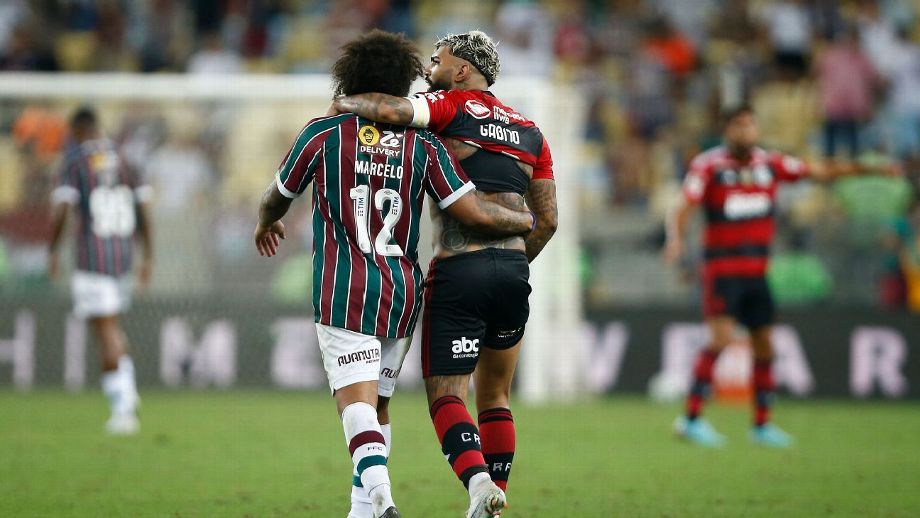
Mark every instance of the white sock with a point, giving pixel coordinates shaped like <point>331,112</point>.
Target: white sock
<point>111,388</point>
<point>360,501</point>
<point>128,402</point>
<point>120,388</point>
<point>477,480</point>
<point>368,453</point>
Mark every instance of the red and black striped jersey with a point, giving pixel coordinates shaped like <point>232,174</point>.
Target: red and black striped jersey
<point>105,191</point>
<point>478,118</point>
<point>739,202</point>
<point>369,183</point>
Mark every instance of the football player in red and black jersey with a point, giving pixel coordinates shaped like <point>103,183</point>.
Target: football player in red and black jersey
<point>477,288</point>
<point>736,185</point>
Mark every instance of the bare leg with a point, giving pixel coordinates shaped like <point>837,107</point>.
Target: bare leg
<point>112,341</point>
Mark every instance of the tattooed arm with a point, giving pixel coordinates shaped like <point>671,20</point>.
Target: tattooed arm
<point>490,218</point>
<point>541,197</point>
<point>273,207</point>
<point>377,107</point>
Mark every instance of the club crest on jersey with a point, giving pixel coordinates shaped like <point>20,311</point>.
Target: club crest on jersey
<point>477,109</point>
<point>373,142</point>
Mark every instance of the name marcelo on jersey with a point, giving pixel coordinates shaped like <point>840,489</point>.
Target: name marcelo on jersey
<point>384,170</point>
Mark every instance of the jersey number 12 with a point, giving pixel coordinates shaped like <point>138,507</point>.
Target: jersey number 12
<point>383,244</point>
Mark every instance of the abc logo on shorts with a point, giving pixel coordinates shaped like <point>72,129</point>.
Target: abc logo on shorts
<point>465,345</point>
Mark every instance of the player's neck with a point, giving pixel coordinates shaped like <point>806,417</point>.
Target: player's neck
<point>470,86</point>
<point>741,154</point>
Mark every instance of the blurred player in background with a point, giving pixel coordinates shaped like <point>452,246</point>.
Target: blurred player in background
<point>477,288</point>
<point>111,201</point>
<point>369,181</point>
<point>736,184</point>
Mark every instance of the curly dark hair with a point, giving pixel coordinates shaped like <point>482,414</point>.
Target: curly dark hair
<point>377,62</point>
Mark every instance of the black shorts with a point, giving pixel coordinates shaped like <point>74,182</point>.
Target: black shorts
<point>472,300</point>
<point>747,299</point>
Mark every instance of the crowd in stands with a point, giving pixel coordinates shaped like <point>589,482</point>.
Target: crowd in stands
<point>829,80</point>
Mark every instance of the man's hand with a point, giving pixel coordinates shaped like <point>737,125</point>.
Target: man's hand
<point>333,111</point>
<point>54,265</point>
<point>144,273</point>
<point>267,238</point>
<point>673,251</point>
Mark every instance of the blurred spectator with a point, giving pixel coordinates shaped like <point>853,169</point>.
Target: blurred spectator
<point>893,285</point>
<point>904,97</point>
<point>690,17</point>
<point>671,48</point>
<point>12,14</point>
<point>790,32</point>
<point>524,31</point>
<point>179,172</point>
<point>910,258</point>
<point>24,52</point>
<point>39,132</point>
<point>214,57</point>
<point>847,81</point>
<point>878,37</point>
<point>797,276</point>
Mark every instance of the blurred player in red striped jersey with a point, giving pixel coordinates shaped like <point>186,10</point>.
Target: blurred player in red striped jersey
<point>736,185</point>
<point>111,200</point>
<point>477,288</point>
<point>369,182</point>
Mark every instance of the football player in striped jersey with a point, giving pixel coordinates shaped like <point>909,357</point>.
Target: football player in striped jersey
<point>736,185</point>
<point>111,201</point>
<point>478,287</point>
<point>368,182</point>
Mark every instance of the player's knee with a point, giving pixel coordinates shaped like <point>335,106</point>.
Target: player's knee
<point>497,398</point>
<point>762,344</point>
<point>440,386</point>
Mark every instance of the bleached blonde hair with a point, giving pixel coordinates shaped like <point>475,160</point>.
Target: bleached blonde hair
<point>477,48</point>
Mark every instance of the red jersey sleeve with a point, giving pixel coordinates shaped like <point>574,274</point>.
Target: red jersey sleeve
<point>788,168</point>
<point>435,110</point>
<point>543,170</point>
<point>697,179</point>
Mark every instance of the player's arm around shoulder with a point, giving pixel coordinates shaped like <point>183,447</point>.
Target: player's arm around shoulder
<point>377,107</point>
<point>485,216</point>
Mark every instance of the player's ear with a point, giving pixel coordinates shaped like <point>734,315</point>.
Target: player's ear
<point>463,72</point>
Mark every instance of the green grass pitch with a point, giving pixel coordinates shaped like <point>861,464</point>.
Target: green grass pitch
<point>273,454</point>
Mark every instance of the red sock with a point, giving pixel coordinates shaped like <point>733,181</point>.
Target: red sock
<point>496,426</point>
<point>459,438</point>
<point>702,379</point>
<point>764,386</point>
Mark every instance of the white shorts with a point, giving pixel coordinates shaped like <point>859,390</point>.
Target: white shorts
<point>351,357</point>
<point>100,295</point>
